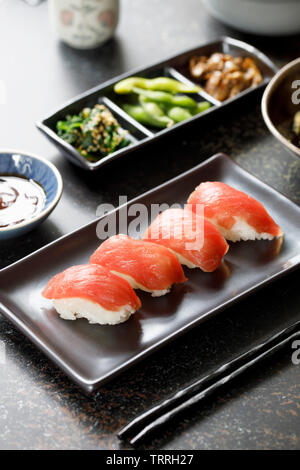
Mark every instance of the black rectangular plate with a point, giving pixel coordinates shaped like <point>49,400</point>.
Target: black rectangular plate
<point>93,354</point>
<point>175,67</point>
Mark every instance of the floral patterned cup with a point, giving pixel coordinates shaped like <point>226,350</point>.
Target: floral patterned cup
<point>84,24</point>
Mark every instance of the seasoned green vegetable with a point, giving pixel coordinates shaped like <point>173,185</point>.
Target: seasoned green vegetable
<point>94,132</point>
<point>69,130</point>
<point>159,83</point>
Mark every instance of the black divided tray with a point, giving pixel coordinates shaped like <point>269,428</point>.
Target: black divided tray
<point>175,67</point>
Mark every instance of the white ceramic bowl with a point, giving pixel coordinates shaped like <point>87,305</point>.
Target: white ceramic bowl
<point>265,17</point>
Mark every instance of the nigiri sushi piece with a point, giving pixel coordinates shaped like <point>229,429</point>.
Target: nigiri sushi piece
<point>144,265</point>
<point>92,292</point>
<point>237,215</point>
<point>196,242</point>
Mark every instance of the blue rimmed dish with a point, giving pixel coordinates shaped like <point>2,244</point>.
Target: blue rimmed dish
<point>42,172</point>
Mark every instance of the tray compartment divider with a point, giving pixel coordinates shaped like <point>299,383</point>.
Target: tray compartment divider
<point>116,109</point>
<point>181,78</point>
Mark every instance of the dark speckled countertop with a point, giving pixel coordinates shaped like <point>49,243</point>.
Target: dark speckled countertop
<point>39,407</point>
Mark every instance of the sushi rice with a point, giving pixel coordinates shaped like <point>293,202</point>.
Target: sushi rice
<point>241,231</point>
<point>136,285</point>
<point>75,308</point>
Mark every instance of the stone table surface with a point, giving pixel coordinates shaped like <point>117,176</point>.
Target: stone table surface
<point>39,407</point>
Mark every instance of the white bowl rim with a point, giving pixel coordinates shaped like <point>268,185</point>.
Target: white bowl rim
<point>265,102</point>
<point>59,180</point>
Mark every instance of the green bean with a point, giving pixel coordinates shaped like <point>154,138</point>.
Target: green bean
<point>159,83</point>
<point>156,113</point>
<point>179,114</point>
<point>151,108</point>
<point>163,97</point>
<point>202,106</point>
<point>138,113</point>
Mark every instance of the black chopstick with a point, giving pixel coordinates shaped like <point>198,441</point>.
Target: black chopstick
<point>159,415</point>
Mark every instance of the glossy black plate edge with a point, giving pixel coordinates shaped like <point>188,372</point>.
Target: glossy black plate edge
<point>75,157</point>
<point>91,385</point>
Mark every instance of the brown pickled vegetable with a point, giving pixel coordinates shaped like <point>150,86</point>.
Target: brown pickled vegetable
<point>224,76</point>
